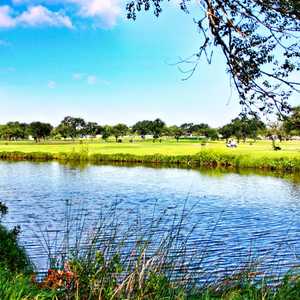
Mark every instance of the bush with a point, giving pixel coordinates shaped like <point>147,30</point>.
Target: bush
<point>12,256</point>
<point>21,287</point>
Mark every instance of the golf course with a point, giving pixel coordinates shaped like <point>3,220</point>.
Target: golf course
<point>249,154</point>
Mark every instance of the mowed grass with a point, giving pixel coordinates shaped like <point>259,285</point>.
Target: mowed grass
<point>166,147</point>
<point>259,155</point>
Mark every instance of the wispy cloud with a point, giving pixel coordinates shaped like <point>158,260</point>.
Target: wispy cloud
<point>34,16</point>
<point>42,16</point>
<point>89,78</point>
<point>77,76</point>
<point>51,84</point>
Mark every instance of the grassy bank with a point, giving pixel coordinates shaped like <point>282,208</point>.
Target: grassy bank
<point>281,161</point>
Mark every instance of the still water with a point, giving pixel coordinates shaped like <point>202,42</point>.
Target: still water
<point>238,216</point>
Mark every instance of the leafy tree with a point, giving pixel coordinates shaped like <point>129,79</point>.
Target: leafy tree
<point>199,128</point>
<point>63,130</point>
<point>211,133</point>
<point>71,127</point>
<point>242,128</point>
<point>176,132</point>
<point>142,128</point>
<point>259,40</point>
<point>91,128</point>
<point>13,131</point>
<point>157,127</point>
<point>255,127</point>
<point>119,130</point>
<point>226,131</point>
<point>292,123</point>
<point>39,130</point>
<point>106,132</point>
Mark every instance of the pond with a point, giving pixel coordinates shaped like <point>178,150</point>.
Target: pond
<point>238,216</point>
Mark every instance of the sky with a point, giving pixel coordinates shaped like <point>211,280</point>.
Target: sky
<point>84,58</point>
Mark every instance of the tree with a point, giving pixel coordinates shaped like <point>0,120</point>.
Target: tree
<point>142,128</point>
<point>226,131</point>
<point>39,130</point>
<point>119,130</point>
<point>211,133</point>
<point>176,132</point>
<point>71,127</point>
<point>91,128</point>
<point>243,128</point>
<point>199,128</point>
<point>259,40</point>
<point>106,132</point>
<point>13,131</point>
<point>292,123</point>
<point>157,127</point>
<point>255,127</point>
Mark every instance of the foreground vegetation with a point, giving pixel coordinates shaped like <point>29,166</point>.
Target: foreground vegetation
<point>100,283</point>
<point>259,155</point>
<point>115,264</point>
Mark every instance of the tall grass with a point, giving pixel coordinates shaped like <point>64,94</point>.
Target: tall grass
<point>148,259</point>
<point>21,287</point>
<point>205,158</point>
<point>140,259</point>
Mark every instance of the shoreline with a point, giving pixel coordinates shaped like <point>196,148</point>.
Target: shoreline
<point>205,158</point>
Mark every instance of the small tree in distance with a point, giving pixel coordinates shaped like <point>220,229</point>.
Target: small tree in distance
<point>39,130</point>
<point>106,132</point>
<point>142,128</point>
<point>157,127</point>
<point>119,130</point>
<point>176,132</point>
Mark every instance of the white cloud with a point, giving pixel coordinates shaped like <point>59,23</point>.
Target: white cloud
<point>77,76</point>
<point>51,84</point>
<point>91,79</point>
<point>33,16</point>
<point>6,19</point>
<point>104,12</point>
<point>42,16</point>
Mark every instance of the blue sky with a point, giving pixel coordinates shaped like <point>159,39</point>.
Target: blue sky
<point>83,58</point>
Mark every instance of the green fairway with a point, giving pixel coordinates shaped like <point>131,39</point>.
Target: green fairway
<point>166,147</point>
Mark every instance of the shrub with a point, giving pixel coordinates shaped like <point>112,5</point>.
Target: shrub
<point>21,287</point>
<point>12,256</point>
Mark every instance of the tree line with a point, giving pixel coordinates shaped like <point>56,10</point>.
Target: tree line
<point>241,128</point>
